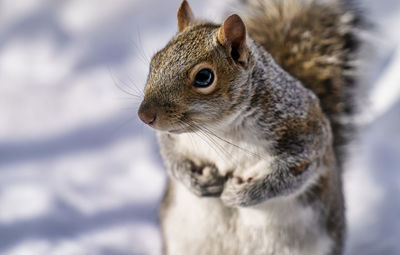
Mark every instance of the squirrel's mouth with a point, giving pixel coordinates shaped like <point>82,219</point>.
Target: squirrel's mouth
<point>177,131</point>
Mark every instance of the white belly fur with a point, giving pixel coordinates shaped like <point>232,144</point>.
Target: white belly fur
<point>196,225</point>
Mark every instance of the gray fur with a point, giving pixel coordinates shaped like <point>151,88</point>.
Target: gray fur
<point>252,164</point>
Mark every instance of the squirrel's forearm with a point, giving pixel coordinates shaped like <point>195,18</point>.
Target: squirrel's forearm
<point>280,179</point>
<point>200,177</point>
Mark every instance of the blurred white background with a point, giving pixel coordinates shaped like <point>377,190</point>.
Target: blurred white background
<point>79,174</point>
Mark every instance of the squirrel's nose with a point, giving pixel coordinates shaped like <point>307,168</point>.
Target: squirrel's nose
<point>147,114</point>
<point>147,117</point>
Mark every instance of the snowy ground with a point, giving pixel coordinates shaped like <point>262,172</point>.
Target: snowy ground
<point>79,174</point>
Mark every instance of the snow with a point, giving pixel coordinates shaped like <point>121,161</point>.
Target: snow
<point>79,173</point>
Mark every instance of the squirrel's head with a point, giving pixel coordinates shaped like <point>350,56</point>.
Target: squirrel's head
<point>196,80</point>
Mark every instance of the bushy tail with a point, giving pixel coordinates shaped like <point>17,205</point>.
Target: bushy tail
<point>314,42</point>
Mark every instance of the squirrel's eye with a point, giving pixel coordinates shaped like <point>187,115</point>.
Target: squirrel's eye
<point>204,78</point>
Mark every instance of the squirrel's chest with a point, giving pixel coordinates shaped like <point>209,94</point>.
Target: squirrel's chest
<point>228,156</point>
<point>195,225</point>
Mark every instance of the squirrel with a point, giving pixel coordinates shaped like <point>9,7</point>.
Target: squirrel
<point>250,117</point>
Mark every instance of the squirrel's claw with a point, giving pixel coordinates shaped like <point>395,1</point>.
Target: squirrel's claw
<point>204,180</point>
<point>238,192</point>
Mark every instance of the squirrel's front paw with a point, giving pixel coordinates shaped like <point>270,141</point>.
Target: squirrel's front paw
<point>204,180</point>
<point>241,192</point>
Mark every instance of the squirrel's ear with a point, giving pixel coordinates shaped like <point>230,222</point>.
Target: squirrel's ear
<point>232,34</point>
<point>185,16</point>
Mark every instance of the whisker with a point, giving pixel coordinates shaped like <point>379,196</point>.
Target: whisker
<point>139,48</point>
<point>134,88</point>
<point>193,131</point>
<point>208,139</point>
<point>183,125</point>
<point>125,98</point>
<point>113,77</point>
<point>147,58</point>
<point>129,108</point>
<point>141,91</point>
<point>232,144</point>
<point>214,142</point>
